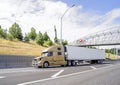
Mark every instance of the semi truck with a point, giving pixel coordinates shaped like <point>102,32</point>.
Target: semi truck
<point>68,56</point>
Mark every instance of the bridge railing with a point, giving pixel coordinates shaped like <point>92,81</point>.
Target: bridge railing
<point>103,38</point>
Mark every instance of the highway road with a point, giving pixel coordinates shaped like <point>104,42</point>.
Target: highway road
<point>85,74</point>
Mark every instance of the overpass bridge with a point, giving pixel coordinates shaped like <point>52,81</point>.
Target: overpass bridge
<point>102,38</point>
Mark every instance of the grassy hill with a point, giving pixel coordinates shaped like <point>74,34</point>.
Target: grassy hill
<point>20,48</point>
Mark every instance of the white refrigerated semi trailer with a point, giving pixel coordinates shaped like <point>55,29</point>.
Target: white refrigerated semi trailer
<point>68,56</point>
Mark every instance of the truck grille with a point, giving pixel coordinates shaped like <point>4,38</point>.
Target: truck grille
<point>34,62</point>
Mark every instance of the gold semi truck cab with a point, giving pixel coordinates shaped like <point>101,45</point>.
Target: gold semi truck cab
<point>51,56</point>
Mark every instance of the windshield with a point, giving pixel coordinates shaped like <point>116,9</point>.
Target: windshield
<point>44,54</point>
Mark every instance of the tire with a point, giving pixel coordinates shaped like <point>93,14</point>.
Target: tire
<point>92,62</point>
<point>100,61</point>
<point>62,65</point>
<point>38,66</point>
<point>45,65</point>
<point>68,63</point>
<point>96,61</point>
<point>73,63</point>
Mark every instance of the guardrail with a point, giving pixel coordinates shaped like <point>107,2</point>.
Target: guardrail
<point>14,61</point>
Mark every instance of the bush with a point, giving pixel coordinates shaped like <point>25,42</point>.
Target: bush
<point>10,37</point>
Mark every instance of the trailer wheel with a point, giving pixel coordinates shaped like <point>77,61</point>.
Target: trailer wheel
<point>92,62</point>
<point>68,63</point>
<point>45,64</point>
<point>73,63</point>
<point>100,61</point>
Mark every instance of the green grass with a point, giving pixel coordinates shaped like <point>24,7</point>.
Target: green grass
<point>20,48</point>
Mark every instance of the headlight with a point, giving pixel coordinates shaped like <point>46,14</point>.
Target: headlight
<point>35,59</point>
<point>39,63</point>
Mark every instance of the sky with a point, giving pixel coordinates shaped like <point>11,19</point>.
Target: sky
<point>86,17</point>
<point>102,6</point>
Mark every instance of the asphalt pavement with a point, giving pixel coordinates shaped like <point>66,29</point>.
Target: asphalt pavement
<point>84,74</point>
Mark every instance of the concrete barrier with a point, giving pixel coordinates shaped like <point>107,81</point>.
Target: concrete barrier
<point>13,61</point>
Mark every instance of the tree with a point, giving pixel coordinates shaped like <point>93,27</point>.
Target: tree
<point>26,38</point>
<point>64,42</point>
<point>32,35</point>
<point>112,51</point>
<point>16,31</point>
<point>107,50</point>
<point>45,37</point>
<point>3,33</point>
<point>39,38</point>
<point>48,43</point>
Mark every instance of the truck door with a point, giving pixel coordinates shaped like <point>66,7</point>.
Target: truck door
<point>51,58</point>
<point>59,57</point>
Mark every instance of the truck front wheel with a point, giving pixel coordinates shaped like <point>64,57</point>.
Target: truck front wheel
<point>45,65</point>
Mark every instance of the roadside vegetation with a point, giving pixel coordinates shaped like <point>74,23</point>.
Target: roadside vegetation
<point>112,56</point>
<point>13,41</point>
<point>15,34</point>
<point>20,48</point>
<point>109,53</point>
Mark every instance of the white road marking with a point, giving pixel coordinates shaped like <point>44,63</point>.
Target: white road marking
<point>2,77</point>
<point>93,67</point>
<point>31,82</point>
<point>16,71</point>
<point>55,75</point>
